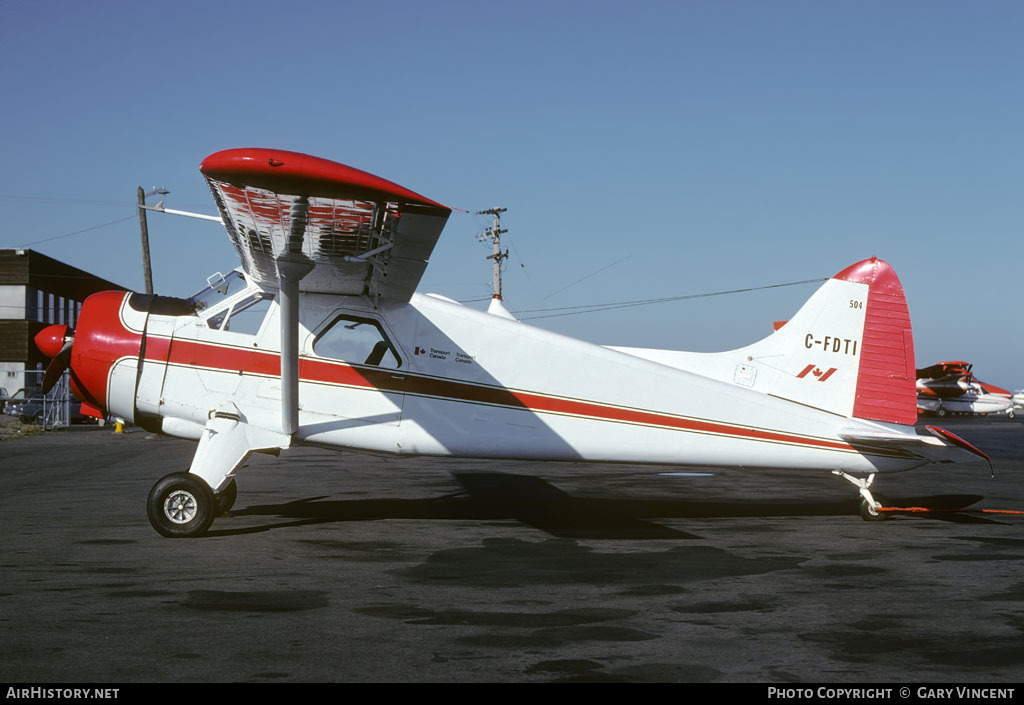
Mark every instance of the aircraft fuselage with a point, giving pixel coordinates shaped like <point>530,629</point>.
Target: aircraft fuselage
<point>459,382</point>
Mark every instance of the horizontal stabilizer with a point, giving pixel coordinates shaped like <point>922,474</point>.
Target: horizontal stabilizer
<point>882,436</point>
<point>956,440</point>
<point>940,446</point>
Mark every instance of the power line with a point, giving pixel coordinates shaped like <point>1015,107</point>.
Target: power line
<point>37,275</point>
<point>77,232</point>
<point>558,291</point>
<point>62,200</point>
<point>592,308</point>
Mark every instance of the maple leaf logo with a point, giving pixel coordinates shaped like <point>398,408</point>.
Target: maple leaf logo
<point>814,370</point>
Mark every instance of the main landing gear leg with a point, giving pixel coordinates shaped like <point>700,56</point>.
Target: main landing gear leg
<point>868,505</point>
<point>184,504</point>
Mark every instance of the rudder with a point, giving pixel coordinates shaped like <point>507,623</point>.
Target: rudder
<point>886,377</point>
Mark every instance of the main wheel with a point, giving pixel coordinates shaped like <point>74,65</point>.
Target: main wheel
<point>181,505</point>
<point>226,499</point>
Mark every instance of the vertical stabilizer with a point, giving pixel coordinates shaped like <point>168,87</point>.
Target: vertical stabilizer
<point>848,351</point>
<point>886,374</point>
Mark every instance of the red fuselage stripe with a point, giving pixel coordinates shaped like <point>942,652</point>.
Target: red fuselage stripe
<point>217,357</point>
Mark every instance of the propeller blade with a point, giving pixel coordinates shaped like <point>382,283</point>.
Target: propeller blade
<point>55,369</point>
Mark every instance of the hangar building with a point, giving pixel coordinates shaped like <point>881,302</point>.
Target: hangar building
<point>35,291</point>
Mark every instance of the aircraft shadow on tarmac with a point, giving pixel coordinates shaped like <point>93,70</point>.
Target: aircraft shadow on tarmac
<point>535,502</point>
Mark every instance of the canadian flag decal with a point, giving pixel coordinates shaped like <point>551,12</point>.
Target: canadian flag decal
<point>814,370</point>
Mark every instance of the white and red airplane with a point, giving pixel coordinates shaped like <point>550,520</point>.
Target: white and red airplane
<point>951,387</point>
<point>320,339</point>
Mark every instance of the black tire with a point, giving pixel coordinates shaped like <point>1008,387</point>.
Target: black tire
<point>226,499</point>
<point>867,515</point>
<point>181,505</point>
<point>941,411</point>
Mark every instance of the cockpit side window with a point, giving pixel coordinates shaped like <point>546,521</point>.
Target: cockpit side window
<point>359,341</point>
<point>245,316</point>
<point>219,287</point>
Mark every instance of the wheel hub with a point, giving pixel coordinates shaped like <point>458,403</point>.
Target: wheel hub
<point>180,507</point>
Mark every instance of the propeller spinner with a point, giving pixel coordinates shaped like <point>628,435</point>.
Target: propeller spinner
<point>55,342</point>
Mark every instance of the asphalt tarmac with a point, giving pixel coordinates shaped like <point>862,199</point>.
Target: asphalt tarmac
<point>353,568</point>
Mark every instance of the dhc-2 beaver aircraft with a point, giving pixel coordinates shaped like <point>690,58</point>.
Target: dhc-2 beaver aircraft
<point>320,339</point>
<point>951,387</point>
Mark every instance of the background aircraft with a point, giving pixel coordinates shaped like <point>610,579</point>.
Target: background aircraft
<point>951,387</point>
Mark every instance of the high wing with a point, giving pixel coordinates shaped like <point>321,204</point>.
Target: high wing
<point>362,234</point>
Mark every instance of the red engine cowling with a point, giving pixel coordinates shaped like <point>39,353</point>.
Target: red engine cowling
<point>108,335</point>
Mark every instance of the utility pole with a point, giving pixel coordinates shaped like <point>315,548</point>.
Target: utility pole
<point>495,234</point>
<point>147,271</point>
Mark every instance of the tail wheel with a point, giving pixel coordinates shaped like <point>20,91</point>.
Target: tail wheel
<point>869,514</point>
<point>181,505</point>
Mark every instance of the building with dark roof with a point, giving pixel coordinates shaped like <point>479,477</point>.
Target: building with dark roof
<point>36,291</point>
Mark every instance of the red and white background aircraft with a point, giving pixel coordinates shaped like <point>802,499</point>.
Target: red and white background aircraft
<point>951,387</point>
<point>320,339</point>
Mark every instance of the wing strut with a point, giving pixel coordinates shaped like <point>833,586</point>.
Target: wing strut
<point>292,266</point>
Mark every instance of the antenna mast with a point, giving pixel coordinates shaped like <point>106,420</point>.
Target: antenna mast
<point>495,234</point>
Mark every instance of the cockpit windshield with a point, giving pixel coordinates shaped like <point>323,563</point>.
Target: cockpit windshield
<point>219,287</point>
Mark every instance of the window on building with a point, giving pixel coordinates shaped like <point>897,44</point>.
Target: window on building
<point>30,304</point>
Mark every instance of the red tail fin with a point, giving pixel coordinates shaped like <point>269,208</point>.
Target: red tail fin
<point>886,377</point>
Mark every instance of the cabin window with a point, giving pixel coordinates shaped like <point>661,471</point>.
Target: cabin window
<point>359,341</point>
<point>246,316</point>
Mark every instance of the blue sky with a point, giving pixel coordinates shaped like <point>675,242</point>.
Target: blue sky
<point>649,149</point>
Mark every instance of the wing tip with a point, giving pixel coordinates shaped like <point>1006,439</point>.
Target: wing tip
<point>283,170</point>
